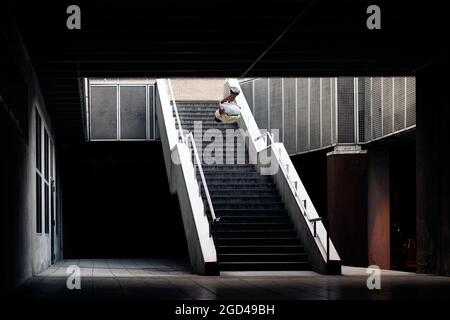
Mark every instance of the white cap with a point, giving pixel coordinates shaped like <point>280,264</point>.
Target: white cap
<point>235,90</point>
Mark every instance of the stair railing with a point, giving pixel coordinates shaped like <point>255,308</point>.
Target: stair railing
<point>281,158</point>
<point>190,143</point>
<point>174,108</point>
<point>269,141</point>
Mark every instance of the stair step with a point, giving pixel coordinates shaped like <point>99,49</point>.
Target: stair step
<point>261,249</point>
<point>228,174</point>
<point>202,106</point>
<point>221,200</point>
<point>211,147</point>
<point>236,160</point>
<point>221,146</point>
<point>184,107</point>
<point>219,126</point>
<point>209,117</point>
<point>243,206</point>
<point>251,212</point>
<point>201,121</point>
<point>251,219</point>
<point>221,241</point>
<point>195,112</point>
<point>229,196</point>
<point>243,192</point>
<point>229,170</point>
<point>263,266</point>
<point>230,167</point>
<point>231,174</point>
<point>262,257</point>
<point>251,233</point>
<point>238,180</point>
<point>253,225</point>
<point>222,154</point>
<point>241,186</point>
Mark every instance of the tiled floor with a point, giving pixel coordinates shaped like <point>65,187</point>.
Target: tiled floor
<point>159,279</point>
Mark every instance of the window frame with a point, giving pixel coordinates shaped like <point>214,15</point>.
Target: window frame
<point>150,124</point>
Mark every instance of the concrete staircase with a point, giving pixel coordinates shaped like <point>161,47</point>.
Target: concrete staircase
<point>255,231</point>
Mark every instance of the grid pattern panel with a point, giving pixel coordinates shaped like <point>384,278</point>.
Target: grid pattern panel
<point>315,113</point>
<point>368,103</point>
<point>276,112</point>
<point>399,103</point>
<point>247,90</point>
<point>320,122</point>
<point>289,115</point>
<point>333,110</point>
<point>153,126</point>
<point>410,101</point>
<point>346,116</point>
<point>388,109</point>
<point>362,109</point>
<point>261,103</point>
<point>302,115</point>
<point>376,108</point>
<point>326,112</point>
<point>103,112</point>
<point>133,112</point>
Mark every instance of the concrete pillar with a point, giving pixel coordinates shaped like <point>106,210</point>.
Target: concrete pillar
<point>378,208</point>
<point>347,194</point>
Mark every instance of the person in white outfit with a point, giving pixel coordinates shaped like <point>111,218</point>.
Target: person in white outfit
<point>228,111</point>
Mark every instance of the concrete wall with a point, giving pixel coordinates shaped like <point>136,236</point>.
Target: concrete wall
<point>23,252</point>
<point>198,89</point>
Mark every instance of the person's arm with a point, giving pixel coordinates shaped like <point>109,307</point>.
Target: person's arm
<point>221,109</point>
<point>227,98</point>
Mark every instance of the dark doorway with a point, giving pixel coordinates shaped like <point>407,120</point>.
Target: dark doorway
<point>117,204</point>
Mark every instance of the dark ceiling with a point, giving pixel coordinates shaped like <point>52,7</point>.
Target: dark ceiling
<point>163,38</point>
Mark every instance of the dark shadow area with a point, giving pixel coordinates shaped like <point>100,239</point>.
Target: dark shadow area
<point>13,214</point>
<point>117,204</point>
<point>312,170</point>
<point>403,206</point>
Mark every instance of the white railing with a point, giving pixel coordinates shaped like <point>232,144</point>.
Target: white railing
<point>174,108</point>
<point>183,182</point>
<point>294,185</point>
<point>260,142</point>
<point>190,138</point>
<point>189,141</point>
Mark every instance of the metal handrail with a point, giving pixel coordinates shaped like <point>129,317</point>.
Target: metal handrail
<point>215,219</point>
<point>269,137</point>
<point>185,140</point>
<point>174,107</point>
